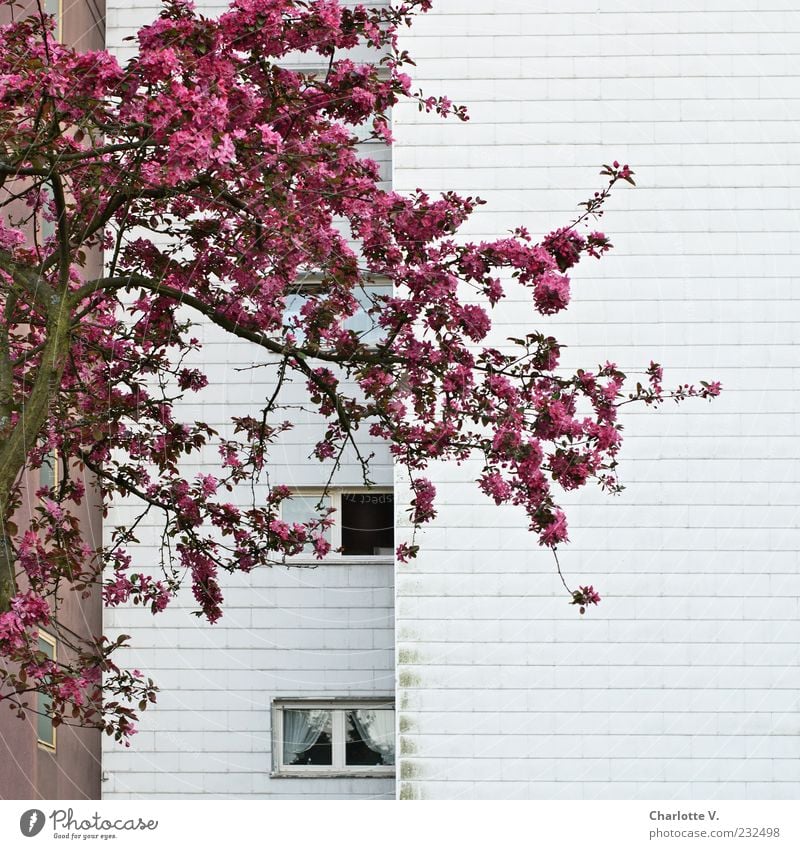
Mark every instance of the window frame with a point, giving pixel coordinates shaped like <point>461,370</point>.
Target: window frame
<point>335,494</point>
<point>54,462</point>
<point>44,744</point>
<point>338,706</point>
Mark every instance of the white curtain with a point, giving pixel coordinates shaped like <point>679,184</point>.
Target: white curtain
<point>376,728</point>
<point>301,730</point>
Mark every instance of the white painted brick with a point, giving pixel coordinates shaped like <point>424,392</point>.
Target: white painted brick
<point>694,649</point>
<point>691,662</point>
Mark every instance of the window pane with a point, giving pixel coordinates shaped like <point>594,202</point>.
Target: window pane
<point>307,738</point>
<point>48,470</point>
<point>53,7</point>
<point>45,731</point>
<point>363,324</point>
<point>293,305</point>
<point>304,508</point>
<point>367,523</point>
<point>370,738</point>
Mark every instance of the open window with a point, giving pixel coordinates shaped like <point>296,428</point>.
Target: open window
<point>333,737</point>
<point>363,521</point>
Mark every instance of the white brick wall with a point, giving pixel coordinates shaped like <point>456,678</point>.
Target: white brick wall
<point>301,632</point>
<point>684,682</point>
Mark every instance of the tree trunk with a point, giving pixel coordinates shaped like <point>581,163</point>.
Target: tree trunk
<point>8,586</point>
<point>14,446</point>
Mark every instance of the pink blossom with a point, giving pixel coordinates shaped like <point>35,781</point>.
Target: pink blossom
<point>31,609</point>
<point>565,244</point>
<point>495,487</point>
<point>10,237</point>
<point>208,484</point>
<point>280,529</point>
<point>551,293</point>
<point>585,596</point>
<point>422,503</point>
<point>12,632</point>
<point>555,531</point>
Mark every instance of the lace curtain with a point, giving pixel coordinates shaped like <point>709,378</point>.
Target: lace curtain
<point>301,730</point>
<point>376,728</point>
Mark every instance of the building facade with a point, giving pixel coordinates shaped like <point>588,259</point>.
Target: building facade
<point>684,682</point>
<point>304,655</point>
<point>38,761</point>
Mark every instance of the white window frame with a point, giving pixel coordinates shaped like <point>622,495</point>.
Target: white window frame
<point>335,494</point>
<point>338,706</point>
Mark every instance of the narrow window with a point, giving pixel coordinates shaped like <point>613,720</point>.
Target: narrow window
<point>48,471</point>
<point>53,7</point>
<point>46,732</point>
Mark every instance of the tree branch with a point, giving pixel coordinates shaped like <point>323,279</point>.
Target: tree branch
<point>110,284</point>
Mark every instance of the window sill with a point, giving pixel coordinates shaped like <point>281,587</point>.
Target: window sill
<point>337,774</point>
<point>342,560</point>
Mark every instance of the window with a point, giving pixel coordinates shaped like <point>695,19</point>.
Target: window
<point>53,7</point>
<point>48,471</point>
<point>45,731</point>
<point>363,521</point>
<point>362,323</point>
<point>333,737</point>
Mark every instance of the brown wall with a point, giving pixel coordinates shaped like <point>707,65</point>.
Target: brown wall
<point>27,770</point>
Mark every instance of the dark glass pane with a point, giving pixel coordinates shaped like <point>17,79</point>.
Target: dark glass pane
<point>320,754</point>
<point>368,523</point>
<point>307,738</point>
<point>370,738</point>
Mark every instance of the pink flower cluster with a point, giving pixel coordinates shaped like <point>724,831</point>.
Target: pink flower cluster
<point>585,596</point>
<point>422,509</point>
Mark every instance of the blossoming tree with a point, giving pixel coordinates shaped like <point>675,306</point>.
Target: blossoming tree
<point>212,176</point>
